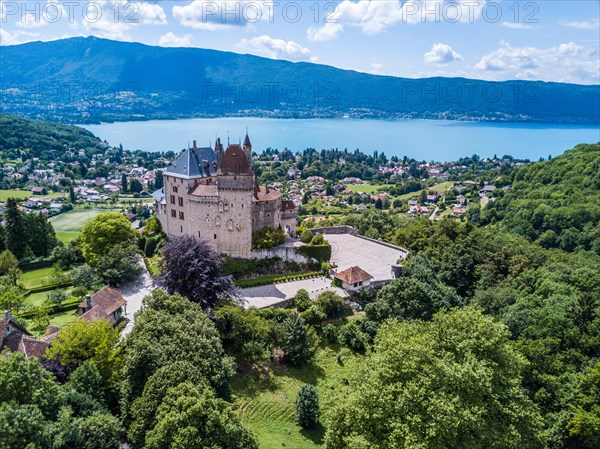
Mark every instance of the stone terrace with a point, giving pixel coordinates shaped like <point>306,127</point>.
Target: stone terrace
<point>347,250</point>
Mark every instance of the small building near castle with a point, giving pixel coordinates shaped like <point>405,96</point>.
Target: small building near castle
<point>213,194</point>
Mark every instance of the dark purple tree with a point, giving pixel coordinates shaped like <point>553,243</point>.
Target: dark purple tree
<point>191,268</point>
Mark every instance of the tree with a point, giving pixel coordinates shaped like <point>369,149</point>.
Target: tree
<point>585,425</point>
<point>102,233</point>
<point>192,268</point>
<point>86,277</point>
<point>307,406</point>
<point>295,340</point>
<point>159,181</point>
<point>330,303</point>
<point>119,266</point>
<point>245,334</point>
<point>124,183</point>
<point>167,330</point>
<point>452,382</point>
<point>191,417</point>
<point>86,379</point>
<point>72,196</point>
<point>56,297</point>
<point>97,342</point>
<point>16,236</point>
<point>302,300</point>
<point>9,266</point>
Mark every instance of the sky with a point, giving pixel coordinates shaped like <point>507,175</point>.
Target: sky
<point>549,40</point>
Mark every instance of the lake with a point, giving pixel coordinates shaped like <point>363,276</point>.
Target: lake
<point>428,140</point>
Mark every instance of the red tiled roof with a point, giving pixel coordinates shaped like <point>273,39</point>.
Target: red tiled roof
<point>234,161</point>
<point>353,275</point>
<point>104,303</point>
<point>31,346</point>
<point>287,205</point>
<point>204,190</point>
<point>262,194</point>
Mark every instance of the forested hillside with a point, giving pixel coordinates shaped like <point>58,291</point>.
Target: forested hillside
<point>555,203</point>
<point>97,79</point>
<point>44,140</point>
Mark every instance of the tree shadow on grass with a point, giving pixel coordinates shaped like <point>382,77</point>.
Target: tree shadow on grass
<point>316,434</point>
<point>308,374</point>
<point>253,380</point>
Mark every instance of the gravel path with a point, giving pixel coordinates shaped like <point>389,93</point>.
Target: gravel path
<point>134,293</point>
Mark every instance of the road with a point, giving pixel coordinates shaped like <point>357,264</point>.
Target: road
<point>134,293</point>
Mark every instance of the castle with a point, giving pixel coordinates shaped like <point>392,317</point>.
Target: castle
<point>213,194</point>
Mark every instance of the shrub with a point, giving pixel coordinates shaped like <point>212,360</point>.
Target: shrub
<point>267,238</point>
<point>307,406</point>
<point>150,246</point>
<point>351,335</point>
<point>317,240</point>
<point>302,300</point>
<point>306,236</point>
<point>330,303</point>
<point>314,315</point>
<point>331,333</point>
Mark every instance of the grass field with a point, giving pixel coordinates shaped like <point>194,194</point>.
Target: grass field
<point>36,278</point>
<point>68,226</point>
<point>24,194</point>
<point>265,400</point>
<point>366,188</point>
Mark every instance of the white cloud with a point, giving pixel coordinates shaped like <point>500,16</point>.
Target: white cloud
<point>568,63</point>
<point>117,17</point>
<point>212,15</point>
<point>275,48</point>
<point>441,54</point>
<point>518,26</point>
<point>17,37</point>
<point>376,16</point>
<point>376,66</point>
<point>172,40</point>
<point>592,24</point>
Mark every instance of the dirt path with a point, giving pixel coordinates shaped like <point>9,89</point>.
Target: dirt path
<point>134,293</point>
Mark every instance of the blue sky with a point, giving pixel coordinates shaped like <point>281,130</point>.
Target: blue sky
<point>551,40</point>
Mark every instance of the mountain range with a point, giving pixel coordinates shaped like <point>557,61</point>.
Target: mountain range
<point>87,80</point>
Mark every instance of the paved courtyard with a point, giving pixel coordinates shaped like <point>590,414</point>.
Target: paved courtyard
<point>347,251</point>
<point>373,257</point>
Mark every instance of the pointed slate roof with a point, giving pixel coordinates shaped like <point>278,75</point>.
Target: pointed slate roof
<point>247,141</point>
<point>194,163</point>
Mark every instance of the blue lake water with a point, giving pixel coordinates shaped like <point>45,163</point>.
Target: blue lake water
<point>427,140</point>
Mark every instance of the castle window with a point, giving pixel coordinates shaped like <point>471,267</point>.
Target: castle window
<point>215,236</point>
<point>198,234</point>
<point>181,228</point>
<point>268,215</point>
<point>180,201</point>
<point>174,213</point>
<point>242,205</point>
<point>181,215</point>
<point>231,205</point>
<point>172,199</point>
<point>175,189</point>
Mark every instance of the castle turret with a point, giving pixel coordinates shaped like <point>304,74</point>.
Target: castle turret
<point>247,147</point>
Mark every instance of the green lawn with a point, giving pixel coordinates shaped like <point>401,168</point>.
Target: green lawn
<point>67,226</point>
<point>36,278</point>
<point>366,188</point>
<point>24,194</point>
<point>265,400</point>
<point>18,194</point>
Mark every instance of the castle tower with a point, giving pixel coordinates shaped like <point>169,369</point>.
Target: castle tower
<point>247,147</point>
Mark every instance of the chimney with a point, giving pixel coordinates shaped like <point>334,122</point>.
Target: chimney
<point>88,301</point>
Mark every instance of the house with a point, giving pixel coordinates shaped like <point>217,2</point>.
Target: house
<point>432,199</point>
<point>15,338</point>
<point>353,278</point>
<point>461,199</point>
<point>458,211</point>
<point>487,189</point>
<point>106,304</point>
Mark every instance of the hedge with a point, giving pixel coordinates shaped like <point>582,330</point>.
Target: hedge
<point>321,253</point>
<point>275,279</point>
